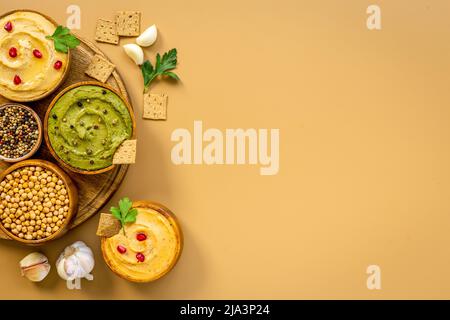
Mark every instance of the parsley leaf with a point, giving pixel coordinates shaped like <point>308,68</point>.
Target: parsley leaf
<point>147,71</point>
<point>63,39</point>
<point>116,213</point>
<point>162,67</point>
<point>125,214</point>
<point>131,216</point>
<point>125,205</point>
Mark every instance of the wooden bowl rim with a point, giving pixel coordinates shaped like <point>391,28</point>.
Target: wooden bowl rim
<point>71,191</point>
<point>169,215</point>
<point>40,129</point>
<point>52,104</point>
<point>66,71</point>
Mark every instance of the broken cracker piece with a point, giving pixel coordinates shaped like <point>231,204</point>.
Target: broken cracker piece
<point>126,153</point>
<point>106,31</point>
<point>128,23</point>
<point>108,226</point>
<point>100,68</point>
<point>155,106</point>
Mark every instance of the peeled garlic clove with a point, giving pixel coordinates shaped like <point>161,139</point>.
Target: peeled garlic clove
<point>134,52</point>
<point>148,37</point>
<point>35,267</point>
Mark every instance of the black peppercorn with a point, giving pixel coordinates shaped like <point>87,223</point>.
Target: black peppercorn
<point>18,131</point>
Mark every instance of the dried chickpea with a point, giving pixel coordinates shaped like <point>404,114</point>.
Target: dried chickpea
<point>34,202</point>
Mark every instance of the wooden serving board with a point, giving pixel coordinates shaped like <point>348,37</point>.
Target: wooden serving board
<point>94,191</point>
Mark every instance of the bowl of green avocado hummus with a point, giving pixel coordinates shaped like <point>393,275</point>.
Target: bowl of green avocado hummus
<point>85,124</point>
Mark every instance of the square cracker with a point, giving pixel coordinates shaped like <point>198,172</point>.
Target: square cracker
<point>106,31</point>
<point>108,226</point>
<point>126,153</point>
<point>100,68</point>
<point>155,106</point>
<point>128,23</point>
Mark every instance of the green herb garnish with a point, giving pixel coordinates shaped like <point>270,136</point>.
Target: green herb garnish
<point>162,67</point>
<point>63,39</point>
<point>125,214</point>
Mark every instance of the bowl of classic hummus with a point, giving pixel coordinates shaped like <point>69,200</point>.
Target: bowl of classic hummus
<point>147,249</point>
<point>30,67</point>
<point>85,124</point>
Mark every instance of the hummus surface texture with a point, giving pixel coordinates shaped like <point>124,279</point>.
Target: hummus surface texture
<point>37,75</point>
<point>86,126</point>
<point>161,247</point>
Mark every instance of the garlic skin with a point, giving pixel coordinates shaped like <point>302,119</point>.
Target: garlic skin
<point>76,262</point>
<point>148,37</point>
<point>35,267</point>
<point>134,52</point>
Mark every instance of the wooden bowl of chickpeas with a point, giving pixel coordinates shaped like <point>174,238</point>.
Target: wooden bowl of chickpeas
<point>37,201</point>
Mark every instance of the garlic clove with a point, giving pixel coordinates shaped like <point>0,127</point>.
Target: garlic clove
<point>134,52</point>
<point>32,259</point>
<point>85,256</point>
<point>35,267</point>
<point>37,273</point>
<point>60,267</point>
<point>148,37</point>
<point>86,262</point>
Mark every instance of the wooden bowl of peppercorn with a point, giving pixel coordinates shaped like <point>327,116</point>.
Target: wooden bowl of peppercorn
<point>20,132</point>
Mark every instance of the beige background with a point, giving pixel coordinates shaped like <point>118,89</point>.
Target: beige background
<point>365,157</point>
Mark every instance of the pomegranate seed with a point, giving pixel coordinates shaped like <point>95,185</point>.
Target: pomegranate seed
<point>140,257</point>
<point>121,249</point>
<point>37,53</point>
<point>141,237</point>
<point>8,26</point>
<point>57,65</point>
<point>13,52</point>
<point>17,80</point>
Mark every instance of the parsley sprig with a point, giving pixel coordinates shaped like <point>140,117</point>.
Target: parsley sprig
<point>162,67</point>
<point>125,214</point>
<point>63,39</point>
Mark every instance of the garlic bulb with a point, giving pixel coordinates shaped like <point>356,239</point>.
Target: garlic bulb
<point>134,52</point>
<point>148,37</point>
<point>76,262</point>
<point>35,267</point>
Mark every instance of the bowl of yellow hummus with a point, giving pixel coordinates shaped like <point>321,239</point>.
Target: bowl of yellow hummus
<point>147,249</point>
<point>85,124</point>
<point>30,67</point>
